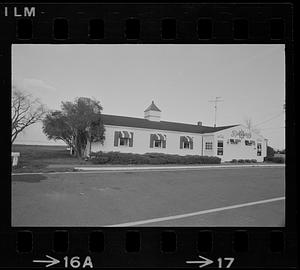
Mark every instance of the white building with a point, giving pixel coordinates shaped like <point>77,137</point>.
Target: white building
<point>150,134</point>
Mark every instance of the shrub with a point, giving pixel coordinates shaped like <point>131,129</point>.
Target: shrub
<point>102,160</point>
<point>275,159</point>
<point>247,160</point>
<point>234,161</point>
<point>270,151</point>
<point>253,160</point>
<point>278,159</point>
<point>241,161</point>
<point>150,158</point>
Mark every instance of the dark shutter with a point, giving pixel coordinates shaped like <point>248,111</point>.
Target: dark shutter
<point>151,140</point>
<point>131,140</point>
<point>181,142</point>
<point>191,144</point>
<point>116,140</point>
<point>164,143</point>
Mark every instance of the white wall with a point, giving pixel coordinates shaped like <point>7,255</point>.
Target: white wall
<point>141,142</point>
<point>209,138</point>
<point>152,115</point>
<point>240,150</point>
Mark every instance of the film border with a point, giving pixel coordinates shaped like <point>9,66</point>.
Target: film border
<point>259,18</point>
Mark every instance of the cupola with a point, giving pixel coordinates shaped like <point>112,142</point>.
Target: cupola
<point>152,113</point>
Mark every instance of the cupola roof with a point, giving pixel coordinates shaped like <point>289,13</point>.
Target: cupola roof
<point>152,107</point>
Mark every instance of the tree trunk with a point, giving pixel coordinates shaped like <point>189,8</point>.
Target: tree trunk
<point>14,137</point>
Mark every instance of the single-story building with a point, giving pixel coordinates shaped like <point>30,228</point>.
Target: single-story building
<point>150,134</point>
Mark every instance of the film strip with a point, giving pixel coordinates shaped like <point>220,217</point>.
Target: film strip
<point>188,245</point>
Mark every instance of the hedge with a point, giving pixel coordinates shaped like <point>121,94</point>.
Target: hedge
<point>243,161</point>
<point>150,158</point>
<point>275,159</point>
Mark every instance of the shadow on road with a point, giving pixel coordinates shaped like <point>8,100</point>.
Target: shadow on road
<point>33,178</point>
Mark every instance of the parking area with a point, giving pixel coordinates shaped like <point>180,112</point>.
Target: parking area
<point>205,197</point>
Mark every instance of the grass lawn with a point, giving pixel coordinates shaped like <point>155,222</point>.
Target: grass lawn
<point>36,158</point>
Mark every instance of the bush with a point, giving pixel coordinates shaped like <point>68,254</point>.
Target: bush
<point>241,161</point>
<point>247,160</point>
<point>234,161</point>
<point>253,160</point>
<point>275,159</point>
<point>270,151</point>
<point>150,158</point>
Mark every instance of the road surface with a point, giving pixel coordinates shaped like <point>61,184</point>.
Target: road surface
<point>207,197</point>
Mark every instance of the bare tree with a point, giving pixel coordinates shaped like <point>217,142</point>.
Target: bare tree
<point>25,111</point>
<point>249,124</point>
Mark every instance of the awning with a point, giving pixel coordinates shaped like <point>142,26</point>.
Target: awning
<point>159,137</point>
<point>187,139</point>
<point>124,134</point>
<point>190,139</point>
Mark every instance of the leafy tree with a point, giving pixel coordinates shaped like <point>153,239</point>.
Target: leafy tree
<point>25,111</point>
<point>56,128</point>
<point>78,124</point>
<point>270,151</point>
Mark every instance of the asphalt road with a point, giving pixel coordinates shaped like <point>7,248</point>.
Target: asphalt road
<point>112,198</point>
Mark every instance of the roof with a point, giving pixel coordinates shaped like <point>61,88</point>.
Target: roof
<point>116,120</point>
<point>152,107</point>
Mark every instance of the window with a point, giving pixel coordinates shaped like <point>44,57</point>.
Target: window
<point>123,139</point>
<point>220,148</point>
<point>259,149</point>
<point>124,142</point>
<point>158,140</point>
<point>249,143</point>
<point>208,146</point>
<point>235,141</point>
<point>186,142</point>
<point>186,145</point>
<point>157,144</point>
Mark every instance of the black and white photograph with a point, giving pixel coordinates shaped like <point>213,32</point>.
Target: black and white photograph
<point>152,135</point>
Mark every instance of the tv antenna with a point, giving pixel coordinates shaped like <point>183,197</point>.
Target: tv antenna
<point>216,100</point>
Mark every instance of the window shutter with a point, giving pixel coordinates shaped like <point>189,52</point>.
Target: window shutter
<point>116,140</point>
<point>131,140</point>
<point>151,140</point>
<point>164,143</point>
<point>181,142</point>
<point>191,144</point>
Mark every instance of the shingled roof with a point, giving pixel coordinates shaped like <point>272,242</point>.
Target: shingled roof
<point>116,120</point>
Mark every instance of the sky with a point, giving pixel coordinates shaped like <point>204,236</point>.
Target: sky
<point>181,79</point>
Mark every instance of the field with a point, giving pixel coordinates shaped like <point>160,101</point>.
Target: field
<point>36,158</point>
<point>197,197</point>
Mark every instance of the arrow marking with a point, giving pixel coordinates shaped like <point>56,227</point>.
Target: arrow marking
<point>203,263</point>
<point>50,262</point>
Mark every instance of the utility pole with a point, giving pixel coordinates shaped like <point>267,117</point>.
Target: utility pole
<point>216,100</point>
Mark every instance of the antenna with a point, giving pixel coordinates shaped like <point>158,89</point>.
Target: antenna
<point>216,100</point>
